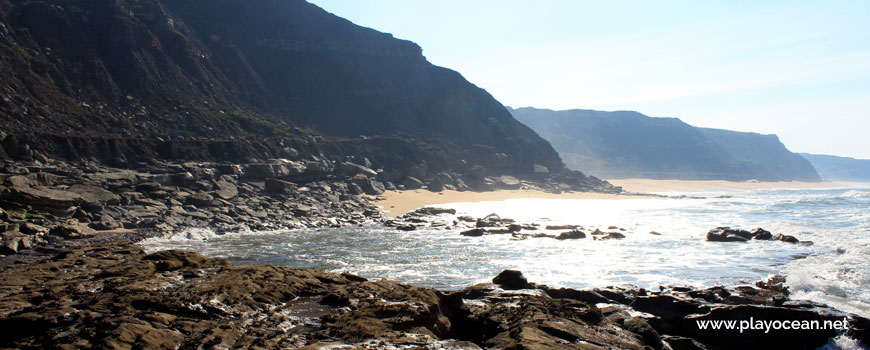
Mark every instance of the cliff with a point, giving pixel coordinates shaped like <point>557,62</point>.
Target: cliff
<point>833,168</point>
<point>627,144</point>
<point>128,79</point>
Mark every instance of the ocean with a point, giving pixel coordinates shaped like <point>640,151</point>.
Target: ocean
<point>835,270</point>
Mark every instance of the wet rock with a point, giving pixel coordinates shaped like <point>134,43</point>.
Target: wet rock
<point>725,234</point>
<point>761,234</point>
<point>573,234</point>
<point>475,232</point>
<point>561,227</point>
<point>427,211</point>
<point>512,279</point>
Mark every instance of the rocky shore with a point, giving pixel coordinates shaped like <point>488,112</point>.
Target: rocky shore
<point>54,204</point>
<point>118,297</point>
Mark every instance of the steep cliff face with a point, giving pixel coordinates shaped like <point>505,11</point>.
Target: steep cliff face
<point>629,144</point>
<point>220,69</point>
<point>833,168</point>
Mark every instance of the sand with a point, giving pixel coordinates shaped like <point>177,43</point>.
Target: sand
<point>397,203</point>
<point>653,186</point>
<point>401,202</point>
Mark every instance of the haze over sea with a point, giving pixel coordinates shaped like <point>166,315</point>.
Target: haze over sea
<point>835,270</point>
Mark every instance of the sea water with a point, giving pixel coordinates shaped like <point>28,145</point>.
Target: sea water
<point>835,270</point>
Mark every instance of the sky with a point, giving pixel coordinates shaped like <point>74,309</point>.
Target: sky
<point>798,69</point>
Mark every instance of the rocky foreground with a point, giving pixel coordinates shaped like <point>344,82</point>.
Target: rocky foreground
<point>118,297</point>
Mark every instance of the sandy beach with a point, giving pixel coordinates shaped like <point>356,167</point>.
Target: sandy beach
<point>397,203</point>
<point>654,186</point>
<point>401,202</point>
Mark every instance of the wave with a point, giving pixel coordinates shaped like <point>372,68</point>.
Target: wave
<point>852,194</point>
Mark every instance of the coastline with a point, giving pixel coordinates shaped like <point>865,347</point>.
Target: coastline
<point>654,186</point>
<point>397,203</point>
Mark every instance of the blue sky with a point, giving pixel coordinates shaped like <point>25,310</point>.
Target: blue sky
<point>798,69</point>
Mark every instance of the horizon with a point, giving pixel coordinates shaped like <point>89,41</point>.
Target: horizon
<point>795,69</point>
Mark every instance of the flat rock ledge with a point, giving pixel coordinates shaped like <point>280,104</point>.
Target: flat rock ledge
<point>117,296</point>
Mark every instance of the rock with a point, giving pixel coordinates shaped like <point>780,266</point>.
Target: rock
<point>435,185</point>
<point>351,169</point>
<point>784,238</point>
<point>683,343</point>
<point>427,211</point>
<point>225,190</point>
<point>491,220</point>
<point>406,227</point>
<point>508,182</point>
<point>32,229</point>
<point>512,279</point>
<point>11,242</point>
<point>170,260</point>
<point>279,186</point>
<point>611,235</point>
<point>561,227</point>
<point>412,183</point>
<point>761,234</point>
<point>55,201</point>
<point>201,200</point>
<point>540,169</point>
<point>368,185</point>
<point>475,232</point>
<point>72,229</point>
<point>573,234</point>
<point>94,195</point>
<point>724,234</point>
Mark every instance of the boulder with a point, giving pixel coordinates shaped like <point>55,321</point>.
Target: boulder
<point>412,183</point>
<point>475,232</point>
<point>435,211</point>
<point>508,182</point>
<point>279,186</point>
<point>43,198</point>
<point>11,242</point>
<point>761,234</point>
<point>225,190</point>
<point>72,229</point>
<point>95,195</point>
<point>435,185</point>
<point>512,279</point>
<point>573,234</point>
<point>368,185</point>
<point>725,234</point>
<point>351,169</point>
<point>201,200</point>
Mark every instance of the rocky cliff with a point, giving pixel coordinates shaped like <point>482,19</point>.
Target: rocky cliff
<point>627,144</point>
<point>833,168</point>
<point>223,79</point>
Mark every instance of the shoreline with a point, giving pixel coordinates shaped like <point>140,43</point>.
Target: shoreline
<point>397,203</point>
<point>657,186</point>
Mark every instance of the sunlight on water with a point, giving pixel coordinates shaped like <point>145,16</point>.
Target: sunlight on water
<point>836,270</point>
